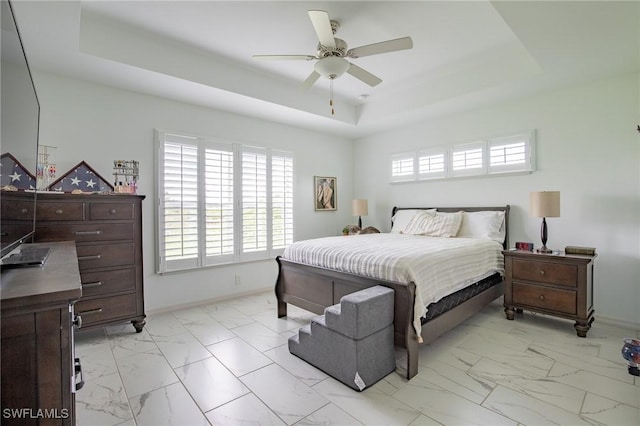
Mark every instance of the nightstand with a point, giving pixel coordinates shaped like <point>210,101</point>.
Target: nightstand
<point>554,284</point>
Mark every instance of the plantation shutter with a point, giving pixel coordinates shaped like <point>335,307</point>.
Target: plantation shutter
<point>432,164</point>
<point>220,202</point>
<point>254,202</point>
<point>512,153</point>
<point>281,200</point>
<point>219,205</point>
<point>403,167</point>
<point>467,159</point>
<point>178,212</point>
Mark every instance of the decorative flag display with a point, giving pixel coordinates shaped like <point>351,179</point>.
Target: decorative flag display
<point>12,173</point>
<point>81,178</point>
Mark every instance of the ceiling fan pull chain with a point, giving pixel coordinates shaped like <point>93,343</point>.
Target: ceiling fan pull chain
<point>331,96</point>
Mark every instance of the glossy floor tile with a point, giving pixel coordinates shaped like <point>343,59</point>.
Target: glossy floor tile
<point>228,363</point>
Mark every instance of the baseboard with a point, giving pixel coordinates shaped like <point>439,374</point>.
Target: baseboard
<point>618,323</point>
<point>208,301</point>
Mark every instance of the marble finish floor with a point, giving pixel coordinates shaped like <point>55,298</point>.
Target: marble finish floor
<point>228,363</point>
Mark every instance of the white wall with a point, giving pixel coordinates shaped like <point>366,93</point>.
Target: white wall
<point>98,124</point>
<point>587,148</point>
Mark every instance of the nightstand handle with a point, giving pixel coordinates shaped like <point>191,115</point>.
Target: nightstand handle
<point>541,272</point>
<point>541,297</point>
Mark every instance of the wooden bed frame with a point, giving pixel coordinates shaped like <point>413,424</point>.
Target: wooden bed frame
<point>314,288</point>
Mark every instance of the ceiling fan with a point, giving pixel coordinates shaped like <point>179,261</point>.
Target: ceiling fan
<point>332,52</point>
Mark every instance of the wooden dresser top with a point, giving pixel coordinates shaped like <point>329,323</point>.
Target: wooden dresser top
<point>56,282</point>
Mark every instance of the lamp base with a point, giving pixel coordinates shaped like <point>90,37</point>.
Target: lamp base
<point>543,237</point>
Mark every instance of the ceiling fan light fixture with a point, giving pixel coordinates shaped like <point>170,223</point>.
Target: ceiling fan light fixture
<point>332,67</point>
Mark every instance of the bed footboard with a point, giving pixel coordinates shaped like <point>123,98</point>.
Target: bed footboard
<point>314,289</point>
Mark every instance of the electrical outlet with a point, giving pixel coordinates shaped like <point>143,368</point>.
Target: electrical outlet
<point>237,282</point>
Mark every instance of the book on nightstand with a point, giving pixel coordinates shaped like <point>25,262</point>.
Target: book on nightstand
<point>588,251</point>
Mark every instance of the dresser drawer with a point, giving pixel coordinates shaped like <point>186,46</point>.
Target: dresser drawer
<point>60,211</point>
<point>85,232</point>
<point>104,282</point>
<point>17,209</point>
<point>553,299</point>
<point>104,255</point>
<point>106,308</point>
<point>111,211</point>
<point>545,272</point>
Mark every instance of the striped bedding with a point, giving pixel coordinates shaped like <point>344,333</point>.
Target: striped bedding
<point>438,266</point>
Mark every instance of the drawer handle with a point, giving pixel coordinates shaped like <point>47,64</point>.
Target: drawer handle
<point>77,370</point>
<point>92,284</point>
<point>92,257</point>
<point>541,297</point>
<point>113,211</point>
<point>59,211</point>
<point>91,312</point>
<point>541,272</point>
<point>88,232</point>
<point>24,211</point>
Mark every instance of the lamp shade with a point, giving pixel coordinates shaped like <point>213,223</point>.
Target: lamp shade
<point>359,208</point>
<point>544,204</point>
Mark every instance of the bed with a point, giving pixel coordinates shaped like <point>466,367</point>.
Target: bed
<point>331,269</point>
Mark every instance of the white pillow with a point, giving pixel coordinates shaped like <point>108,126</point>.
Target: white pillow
<point>424,223</point>
<point>488,225</point>
<point>402,217</point>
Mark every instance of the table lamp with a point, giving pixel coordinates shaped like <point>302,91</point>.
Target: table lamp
<point>544,204</point>
<point>359,208</point>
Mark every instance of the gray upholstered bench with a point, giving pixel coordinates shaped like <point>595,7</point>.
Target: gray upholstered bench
<point>353,340</point>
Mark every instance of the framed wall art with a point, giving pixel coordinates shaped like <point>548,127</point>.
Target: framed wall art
<point>326,194</point>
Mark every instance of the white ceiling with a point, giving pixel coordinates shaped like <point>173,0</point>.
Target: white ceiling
<point>465,54</point>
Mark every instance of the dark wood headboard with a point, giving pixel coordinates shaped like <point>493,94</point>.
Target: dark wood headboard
<point>505,209</point>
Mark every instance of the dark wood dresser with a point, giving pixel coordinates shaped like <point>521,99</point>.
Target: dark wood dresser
<point>554,284</point>
<point>107,230</point>
<point>38,369</point>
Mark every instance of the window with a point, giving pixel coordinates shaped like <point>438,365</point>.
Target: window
<point>221,202</point>
<point>431,164</point>
<point>403,167</point>
<point>513,153</point>
<point>467,159</point>
<point>508,154</point>
<point>218,200</point>
<point>281,199</point>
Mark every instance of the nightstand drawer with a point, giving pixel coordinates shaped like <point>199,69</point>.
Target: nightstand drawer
<point>552,299</point>
<point>545,272</point>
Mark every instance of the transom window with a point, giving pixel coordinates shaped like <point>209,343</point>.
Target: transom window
<point>509,154</point>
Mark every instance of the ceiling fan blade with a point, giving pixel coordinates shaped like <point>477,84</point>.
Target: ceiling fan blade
<point>363,75</point>
<point>382,47</point>
<point>322,25</point>
<point>284,57</point>
<point>313,77</point>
